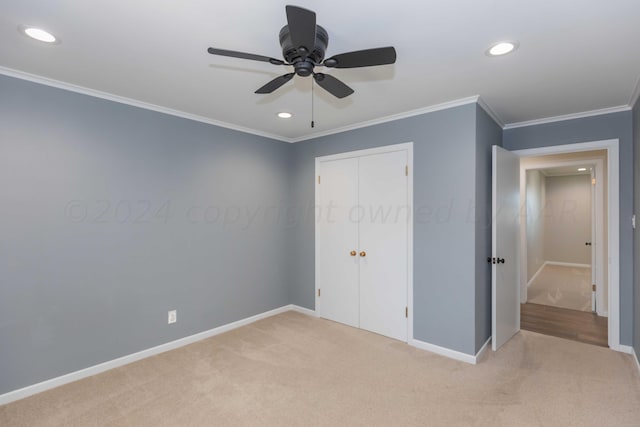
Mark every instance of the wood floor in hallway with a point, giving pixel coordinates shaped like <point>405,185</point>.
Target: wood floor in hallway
<point>564,323</point>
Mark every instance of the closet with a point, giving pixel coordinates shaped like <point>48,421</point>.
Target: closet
<point>363,225</point>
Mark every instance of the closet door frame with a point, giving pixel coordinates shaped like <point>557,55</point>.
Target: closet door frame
<point>408,148</point>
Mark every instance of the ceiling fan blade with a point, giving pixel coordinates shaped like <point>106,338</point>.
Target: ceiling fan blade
<point>332,85</point>
<point>302,27</point>
<point>243,55</point>
<point>363,58</point>
<point>275,83</point>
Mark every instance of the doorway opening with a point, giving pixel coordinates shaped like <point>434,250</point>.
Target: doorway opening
<point>569,242</point>
<point>565,247</point>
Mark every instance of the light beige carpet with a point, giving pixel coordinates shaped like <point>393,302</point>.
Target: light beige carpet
<point>296,370</point>
<point>560,286</point>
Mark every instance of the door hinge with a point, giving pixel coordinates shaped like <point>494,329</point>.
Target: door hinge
<point>318,292</point>
<point>406,170</point>
<point>406,312</point>
<point>318,179</point>
<point>593,287</point>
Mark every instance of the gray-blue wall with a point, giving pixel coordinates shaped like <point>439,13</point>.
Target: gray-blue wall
<point>444,171</point>
<point>97,239</point>
<point>488,133</point>
<point>609,126</point>
<point>636,234</point>
<point>111,215</point>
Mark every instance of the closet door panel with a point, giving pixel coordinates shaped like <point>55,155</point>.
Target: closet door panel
<point>384,214</point>
<point>338,279</point>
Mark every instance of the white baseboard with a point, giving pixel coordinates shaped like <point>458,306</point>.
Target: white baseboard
<point>635,357</point>
<point>447,352</point>
<point>303,310</point>
<point>483,350</point>
<point>102,367</point>
<point>623,349</point>
<point>567,264</point>
<point>537,273</point>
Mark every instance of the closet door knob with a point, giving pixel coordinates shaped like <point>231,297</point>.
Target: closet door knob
<point>363,254</point>
<point>352,253</point>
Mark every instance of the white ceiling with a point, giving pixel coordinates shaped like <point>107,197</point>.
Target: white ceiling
<point>574,56</point>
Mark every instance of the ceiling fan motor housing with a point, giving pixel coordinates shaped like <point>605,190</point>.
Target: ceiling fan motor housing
<point>303,62</point>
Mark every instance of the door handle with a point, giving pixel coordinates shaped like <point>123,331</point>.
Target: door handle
<point>495,260</point>
<point>587,243</point>
<point>352,253</point>
<point>363,254</point>
<point>500,260</point>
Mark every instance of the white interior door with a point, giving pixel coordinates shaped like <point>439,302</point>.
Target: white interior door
<point>592,240</point>
<point>505,316</point>
<point>337,269</point>
<point>383,252</point>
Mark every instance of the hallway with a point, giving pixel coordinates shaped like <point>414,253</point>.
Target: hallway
<point>563,287</point>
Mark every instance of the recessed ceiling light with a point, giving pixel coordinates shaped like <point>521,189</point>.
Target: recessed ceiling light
<point>285,115</point>
<point>502,48</point>
<point>582,169</point>
<point>38,34</point>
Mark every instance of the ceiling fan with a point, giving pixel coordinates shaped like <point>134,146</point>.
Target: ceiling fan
<point>303,46</point>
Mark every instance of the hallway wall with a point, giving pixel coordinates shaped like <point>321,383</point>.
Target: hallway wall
<point>567,219</point>
<point>535,199</point>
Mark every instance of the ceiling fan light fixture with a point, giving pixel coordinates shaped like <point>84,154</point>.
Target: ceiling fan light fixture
<point>284,115</point>
<point>38,34</point>
<point>502,48</point>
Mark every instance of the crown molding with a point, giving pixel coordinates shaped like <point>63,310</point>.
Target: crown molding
<point>582,115</point>
<point>482,103</point>
<point>430,109</point>
<point>635,94</point>
<point>133,102</point>
<point>391,118</point>
<point>177,113</point>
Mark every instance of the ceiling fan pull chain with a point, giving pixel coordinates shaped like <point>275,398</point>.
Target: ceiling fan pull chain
<point>312,113</point>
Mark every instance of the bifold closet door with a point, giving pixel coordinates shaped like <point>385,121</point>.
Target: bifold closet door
<point>383,227</point>
<point>337,271</point>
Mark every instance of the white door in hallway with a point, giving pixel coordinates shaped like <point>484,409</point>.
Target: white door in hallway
<point>363,222</point>
<point>337,237</point>
<point>593,241</point>
<point>505,289</point>
<point>383,239</point>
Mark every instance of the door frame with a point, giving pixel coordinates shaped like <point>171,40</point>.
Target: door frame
<point>613,223</point>
<point>597,204</point>
<point>408,147</point>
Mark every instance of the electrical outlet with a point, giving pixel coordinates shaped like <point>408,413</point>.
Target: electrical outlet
<point>173,316</point>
